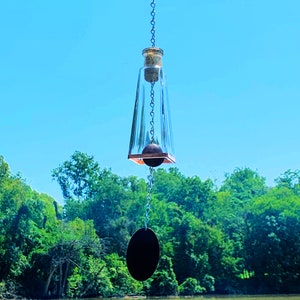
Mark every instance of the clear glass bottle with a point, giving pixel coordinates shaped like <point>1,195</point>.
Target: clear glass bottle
<point>151,140</point>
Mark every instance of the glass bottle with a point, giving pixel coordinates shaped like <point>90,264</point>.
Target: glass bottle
<point>151,140</point>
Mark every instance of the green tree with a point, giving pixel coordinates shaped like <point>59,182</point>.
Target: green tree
<point>14,216</point>
<point>291,180</point>
<point>60,250</point>
<point>273,241</point>
<point>78,177</point>
<point>229,212</point>
<point>190,287</point>
<point>90,279</point>
<point>190,193</point>
<point>4,169</point>
<point>244,184</point>
<point>163,282</point>
<point>123,284</point>
<point>101,196</point>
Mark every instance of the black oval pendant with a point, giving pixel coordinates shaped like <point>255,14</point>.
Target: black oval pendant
<point>142,254</point>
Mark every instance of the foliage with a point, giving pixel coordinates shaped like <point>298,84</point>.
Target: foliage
<point>190,287</point>
<point>241,237</point>
<point>91,279</point>
<point>78,176</point>
<point>123,284</point>
<point>273,241</point>
<point>163,282</point>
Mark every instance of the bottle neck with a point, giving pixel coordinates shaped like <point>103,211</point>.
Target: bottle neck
<point>153,57</point>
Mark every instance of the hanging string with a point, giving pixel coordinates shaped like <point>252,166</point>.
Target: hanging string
<point>153,23</point>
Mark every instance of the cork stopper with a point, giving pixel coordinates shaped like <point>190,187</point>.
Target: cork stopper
<point>153,63</point>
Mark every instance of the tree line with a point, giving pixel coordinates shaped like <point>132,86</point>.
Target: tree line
<point>241,237</point>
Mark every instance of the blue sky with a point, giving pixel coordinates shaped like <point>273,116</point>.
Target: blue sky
<point>68,72</point>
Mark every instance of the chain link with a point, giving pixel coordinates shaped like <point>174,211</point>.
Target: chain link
<point>149,196</point>
<point>153,23</point>
<point>152,113</point>
<point>151,169</point>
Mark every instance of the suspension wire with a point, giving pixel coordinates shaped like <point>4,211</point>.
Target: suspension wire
<point>152,40</point>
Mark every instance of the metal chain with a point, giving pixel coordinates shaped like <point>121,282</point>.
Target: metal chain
<point>152,113</point>
<point>153,23</point>
<point>149,196</point>
<point>151,169</point>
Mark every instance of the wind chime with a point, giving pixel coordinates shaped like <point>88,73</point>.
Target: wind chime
<point>150,144</point>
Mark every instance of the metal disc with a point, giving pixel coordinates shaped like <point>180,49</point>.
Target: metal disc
<point>142,254</point>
